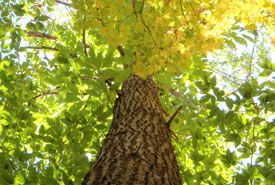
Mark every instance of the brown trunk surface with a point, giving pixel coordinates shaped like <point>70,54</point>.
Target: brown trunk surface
<point>137,149</point>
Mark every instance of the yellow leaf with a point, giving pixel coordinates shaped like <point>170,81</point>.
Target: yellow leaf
<point>139,27</point>
<point>139,69</point>
<point>251,27</point>
<point>99,4</point>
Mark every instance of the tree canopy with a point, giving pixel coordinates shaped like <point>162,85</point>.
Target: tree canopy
<point>62,62</point>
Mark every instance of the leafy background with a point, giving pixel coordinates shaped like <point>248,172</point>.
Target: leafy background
<point>56,107</point>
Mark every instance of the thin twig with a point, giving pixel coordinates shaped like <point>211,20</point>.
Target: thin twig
<point>252,147</point>
<point>227,76</point>
<point>42,47</point>
<point>134,9</point>
<point>44,35</point>
<point>45,93</point>
<point>12,165</point>
<point>183,13</point>
<point>174,92</point>
<point>121,50</point>
<point>121,20</point>
<point>249,70</point>
<point>173,116</point>
<point>174,136</point>
<point>37,5</point>
<point>233,92</point>
<point>39,34</point>
<point>251,59</point>
<point>63,3</point>
<point>170,121</point>
<point>143,22</point>
<point>84,39</point>
<point>194,11</point>
<point>88,78</point>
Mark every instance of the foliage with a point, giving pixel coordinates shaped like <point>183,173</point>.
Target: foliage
<point>56,107</point>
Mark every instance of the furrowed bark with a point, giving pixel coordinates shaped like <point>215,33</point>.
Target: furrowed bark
<point>137,149</point>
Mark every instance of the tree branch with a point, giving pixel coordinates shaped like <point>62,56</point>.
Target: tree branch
<point>251,59</point>
<point>173,117</point>
<point>44,35</point>
<point>41,35</point>
<point>84,42</point>
<point>88,78</point>
<point>194,11</point>
<point>134,8</point>
<point>42,47</point>
<point>63,3</point>
<point>45,93</point>
<point>174,92</point>
<point>183,13</point>
<point>121,51</point>
<point>12,165</point>
<point>84,38</point>
<point>148,29</point>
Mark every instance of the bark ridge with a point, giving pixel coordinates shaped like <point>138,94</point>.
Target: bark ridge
<point>137,149</point>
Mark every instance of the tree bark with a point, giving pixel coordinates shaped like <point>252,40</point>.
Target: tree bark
<point>137,149</point>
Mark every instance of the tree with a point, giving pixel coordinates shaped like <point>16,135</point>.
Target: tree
<point>111,87</point>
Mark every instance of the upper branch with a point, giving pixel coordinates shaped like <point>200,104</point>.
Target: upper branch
<point>64,3</point>
<point>41,35</point>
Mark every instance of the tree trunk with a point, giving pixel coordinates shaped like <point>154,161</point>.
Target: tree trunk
<point>137,149</point>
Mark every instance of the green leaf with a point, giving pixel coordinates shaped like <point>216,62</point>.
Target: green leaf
<point>5,13</point>
<point>189,33</point>
<point>123,75</point>
<point>19,11</point>
<point>31,26</point>
<point>4,122</point>
<point>42,130</point>
<point>213,81</point>
<point>197,59</point>
<point>3,181</point>
<point>76,66</point>
<point>50,122</point>
<point>246,90</point>
<point>271,176</point>
<point>230,43</point>
<point>42,18</point>
<point>6,177</point>
<point>61,60</point>
<point>229,103</point>
<point>18,154</point>
<point>254,171</point>
<point>72,88</point>
<point>266,73</point>
<point>248,38</point>
<point>19,179</point>
<point>109,73</point>
<point>197,157</point>
<point>91,52</point>
<point>39,26</point>
<point>98,61</point>
<point>69,98</point>
<point>231,137</point>
<point>267,64</point>
<point>67,115</point>
<point>204,98</point>
<point>240,40</point>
